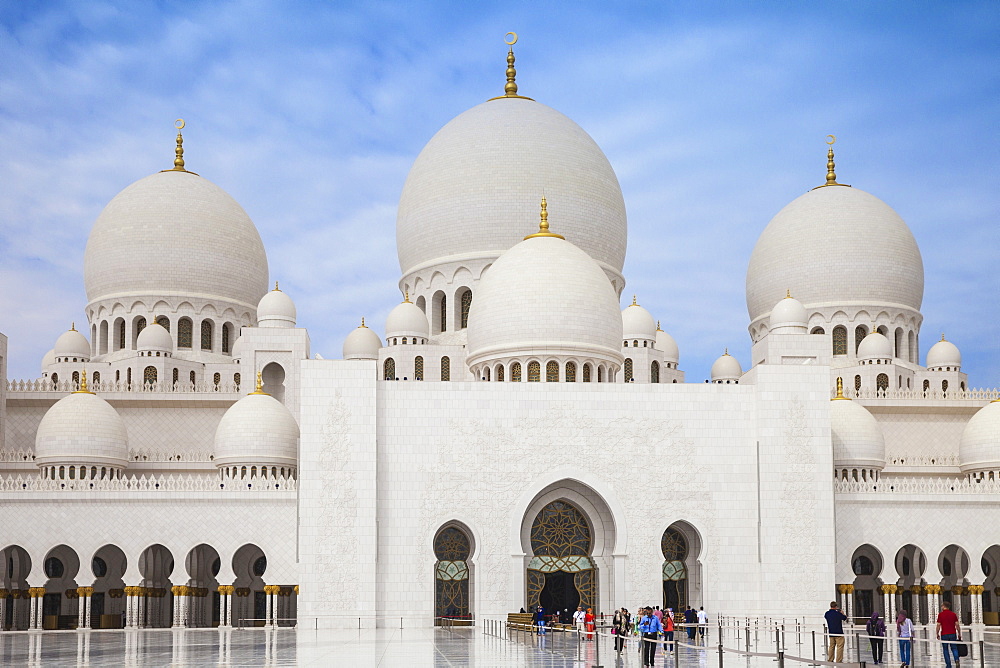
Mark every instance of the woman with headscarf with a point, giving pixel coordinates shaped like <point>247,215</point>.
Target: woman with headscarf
<point>590,623</point>
<point>621,626</point>
<point>904,630</point>
<point>875,630</point>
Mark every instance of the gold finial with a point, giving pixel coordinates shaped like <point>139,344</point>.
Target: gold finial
<point>831,172</point>
<point>634,302</point>
<point>942,336</point>
<point>276,287</point>
<point>260,385</point>
<point>725,353</point>
<point>510,88</point>
<point>363,322</point>
<point>543,224</point>
<point>406,296</point>
<point>840,390</point>
<point>179,151</point>
<point>72,326</point>
<point>788,294</point>
<point>83,384</point>
<point>658,326</point>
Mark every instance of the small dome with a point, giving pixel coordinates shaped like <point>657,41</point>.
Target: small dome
<point>156,338</point>
<point>666,343</point>
<point>857,438</point>
<point>944,354</point>
<point>362,344</point>
<point>72,344</point>
<point>875,346</point>
<point>638,323</point>
<point>545,297</point>
<point>48,359</point>
<point>788,315</point>
<point>82,428</point>
<point>238,348</point>
<point>257,430</point>
<point>979,449</point>
<point>726,368</point>
<point>276,309</point>
<point>406,319</point>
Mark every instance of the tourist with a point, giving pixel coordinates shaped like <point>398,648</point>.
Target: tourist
<point>668,629</point>
<point>540,620</point>
<point>578,620</point>
<point>650,628</point>
<point>876,636</point>
<point>621,625</point>
<point>904,630</point>
<point>835,629</point>
<point>948,631</point>
<point>690,621</point>
<point>589,621</point>
<point>658,613</point>
<point>702,623</point>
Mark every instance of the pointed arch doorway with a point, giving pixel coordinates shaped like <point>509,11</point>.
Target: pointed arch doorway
<point>561,574</point>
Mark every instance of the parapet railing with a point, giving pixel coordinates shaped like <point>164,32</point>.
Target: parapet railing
<point>918,485</point>
<point>163,483</point>
<point>109,387</point>
<point>971,394</point>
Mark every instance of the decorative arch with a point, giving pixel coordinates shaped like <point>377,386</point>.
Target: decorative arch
<point>681,546</point>
<point>156,564</point>
<point>453,549</point>
<point>464,304</point>
<point>389,369</point>
<point>910,565</point>
<point>839,340</point>
<point>552,371</point>
<point>207,330</point>
<point>273,378</point>
<point>867,565</point>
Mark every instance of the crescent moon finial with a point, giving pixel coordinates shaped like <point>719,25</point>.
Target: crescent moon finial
<point>179,124</point>
<point>510,38</point>
<point>833,140</point>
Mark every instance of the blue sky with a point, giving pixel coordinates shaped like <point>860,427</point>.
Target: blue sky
<point>310,115</point>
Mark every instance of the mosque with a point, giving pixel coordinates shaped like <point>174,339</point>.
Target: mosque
<point>513,437</point>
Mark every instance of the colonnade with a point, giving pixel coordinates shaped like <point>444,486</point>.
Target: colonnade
<point>926,601</point>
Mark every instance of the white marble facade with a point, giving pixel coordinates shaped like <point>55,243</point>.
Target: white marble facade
<point>158,491</point>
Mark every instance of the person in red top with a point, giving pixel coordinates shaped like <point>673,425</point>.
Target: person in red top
<point>668,630</point>
<point>948,629</point>
<point>589,621</point>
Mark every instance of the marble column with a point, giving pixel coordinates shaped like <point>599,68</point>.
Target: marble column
<point>295,590</point>
<point>849,593</point>
<point>956,601</point>
<point>131,607</point>
<point>226,606</point>
<point>976,593</point>
<point>88,594</point>
<point>175,617</point>
<point>4,593</point>
<point>933,602</point>
<point>37,617</point>
<point>917,614</point>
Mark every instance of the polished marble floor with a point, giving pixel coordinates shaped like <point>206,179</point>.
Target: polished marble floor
<point>413,648</point>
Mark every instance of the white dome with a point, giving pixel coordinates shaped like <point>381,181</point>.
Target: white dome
<point>175,233</point>
<point>637,323</point>
<point>857,438</point>
<point>406,319</point>
<point>154,337</point>
<point>666,343</point>
<point>276,309</point>
<point>545,297</point>
<point>836,246</point>
<point>362,344</point>
<point>238,348</point>
<point>944,354</point>
<point>72,344</point>
<point>875,346</point>
<point>478,179</point>
<point>48,359</point>
<point>82,428</point>
<point>979,449</point>
<point>257,430</point>
<point>725,368</point>
<point>788,315</point>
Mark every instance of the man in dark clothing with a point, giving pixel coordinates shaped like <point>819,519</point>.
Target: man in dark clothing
<point>540,620</point>
<point>835,628</point>
<point>691,619</point>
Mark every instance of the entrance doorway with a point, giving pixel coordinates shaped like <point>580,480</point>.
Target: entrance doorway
<point>559,592</point>
<point>561,575</point>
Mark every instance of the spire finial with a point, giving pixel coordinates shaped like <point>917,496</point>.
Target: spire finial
<point>276,287</point>
<point>634,302</point>
<point>840,390</point>
<point>788,294</point>
<point>72,326</point>
<point>543,224</point>
<point>363,321</point>
<point>658,326</point>
<point>510,88</point>
<point>83,384</point>
<point>406,296</point>
<point>942,336</point>
<point>179,151</point>
<point>260,385</point>
<point>831,171</point>
<point>725,353</point>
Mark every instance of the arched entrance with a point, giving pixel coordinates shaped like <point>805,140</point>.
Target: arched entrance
<point>867,566</point>
<point>156,563</point>
<point>910,565</point>
<point>560,574</point>
<point>991,569</point>
<point>203,564</point>
<point>953,564</point>
<point>59,611</point>
<point>107,603</point>
<point>250,600</point>
<point>15,614</point>
<point>452,573</point>
<point>680,545</point>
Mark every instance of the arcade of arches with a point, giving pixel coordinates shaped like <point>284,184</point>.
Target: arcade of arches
<point>914,582</point>
<point>71,593</point>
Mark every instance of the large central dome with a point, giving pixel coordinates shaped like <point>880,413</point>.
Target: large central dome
<point>479,178</point>
<point>175,234</point>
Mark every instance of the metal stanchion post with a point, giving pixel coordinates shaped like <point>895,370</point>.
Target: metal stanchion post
<point>857,643</point>
<point>748,636</point>
<point>826,639</point>
<point>814,646</point>
<point>781,659</point>
<point>677,653</point>
<point>720,655</point>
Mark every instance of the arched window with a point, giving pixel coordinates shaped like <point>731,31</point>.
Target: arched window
<point>451,573</point>
<point>97,378</point>
<point>674,547</point>
<point>654,372</point>
<point>561,544</point>
<point>237,379</point>
<point>857,383</point>
<point>176,376</point>
<point>445,368</point>
<point>628,369</point>
<point>927,385</point>
<point>184,329</point>
<point>898,340</point>
<point>128,376</point>
<point>121,335</point>
<point>586,373</point>
<point>499,373</point>
<point>444,313</point>
<point>418,368</point>
<point>552,372</point>
<point>389,369</point>
<point>839,340</point>
<point>164,322</point>
<point>466,305</point>
<point>149,375</point>
<point>860,332</point>
<point>882,382</point>
<point>515,372</point>
<point>534,372</point>
<point>206,334</point>
<point>570,372</point>
<point>227,331</point>
<point>818,330</point>
<point>76,379</point>
<point>140,324</point>
<point>486,373</point>
<point>193,378</point>
<point>944,386</point>
<point>600,374</point>
<point>217,380</point>
<point>911,340</point>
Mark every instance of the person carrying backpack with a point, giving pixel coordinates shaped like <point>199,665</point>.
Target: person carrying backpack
<point>875,629</point>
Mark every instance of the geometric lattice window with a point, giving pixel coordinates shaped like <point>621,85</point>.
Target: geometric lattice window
<point>586,373</point>
<point>184,328</point>
<point>149,375</point>
<point>839,340</point>
<point>944,386</point>
<point>176,376</point>
<point>217,379</point>
<point>76,378</point>
<point>236,380</point>
<point>192,378</point>
<point>444,313</point>
<point>654,372</point>
<point>389,369</point>
<point>560,530</point>
<point>121,335</point>
<point>451,573</point>
<point>97,377</point>
<point>674,547</point>
<point>552,372</point>
<point>534,372</point>
<point>445,368</point>
<point>860,332</point>
<point>225,337</point>
<point>206,334</point>
<point>418,368</point>
<point>140,324</point>
<point>466,305</point>
<point>561,544</point>
<point>927,385</point>
<point>857,383</point>
<point>882,382</point>
<point>164,322</point>
<point>515,372</point>
<point>628,370</point>
<point>500,373</point>
<point>570,372</point>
